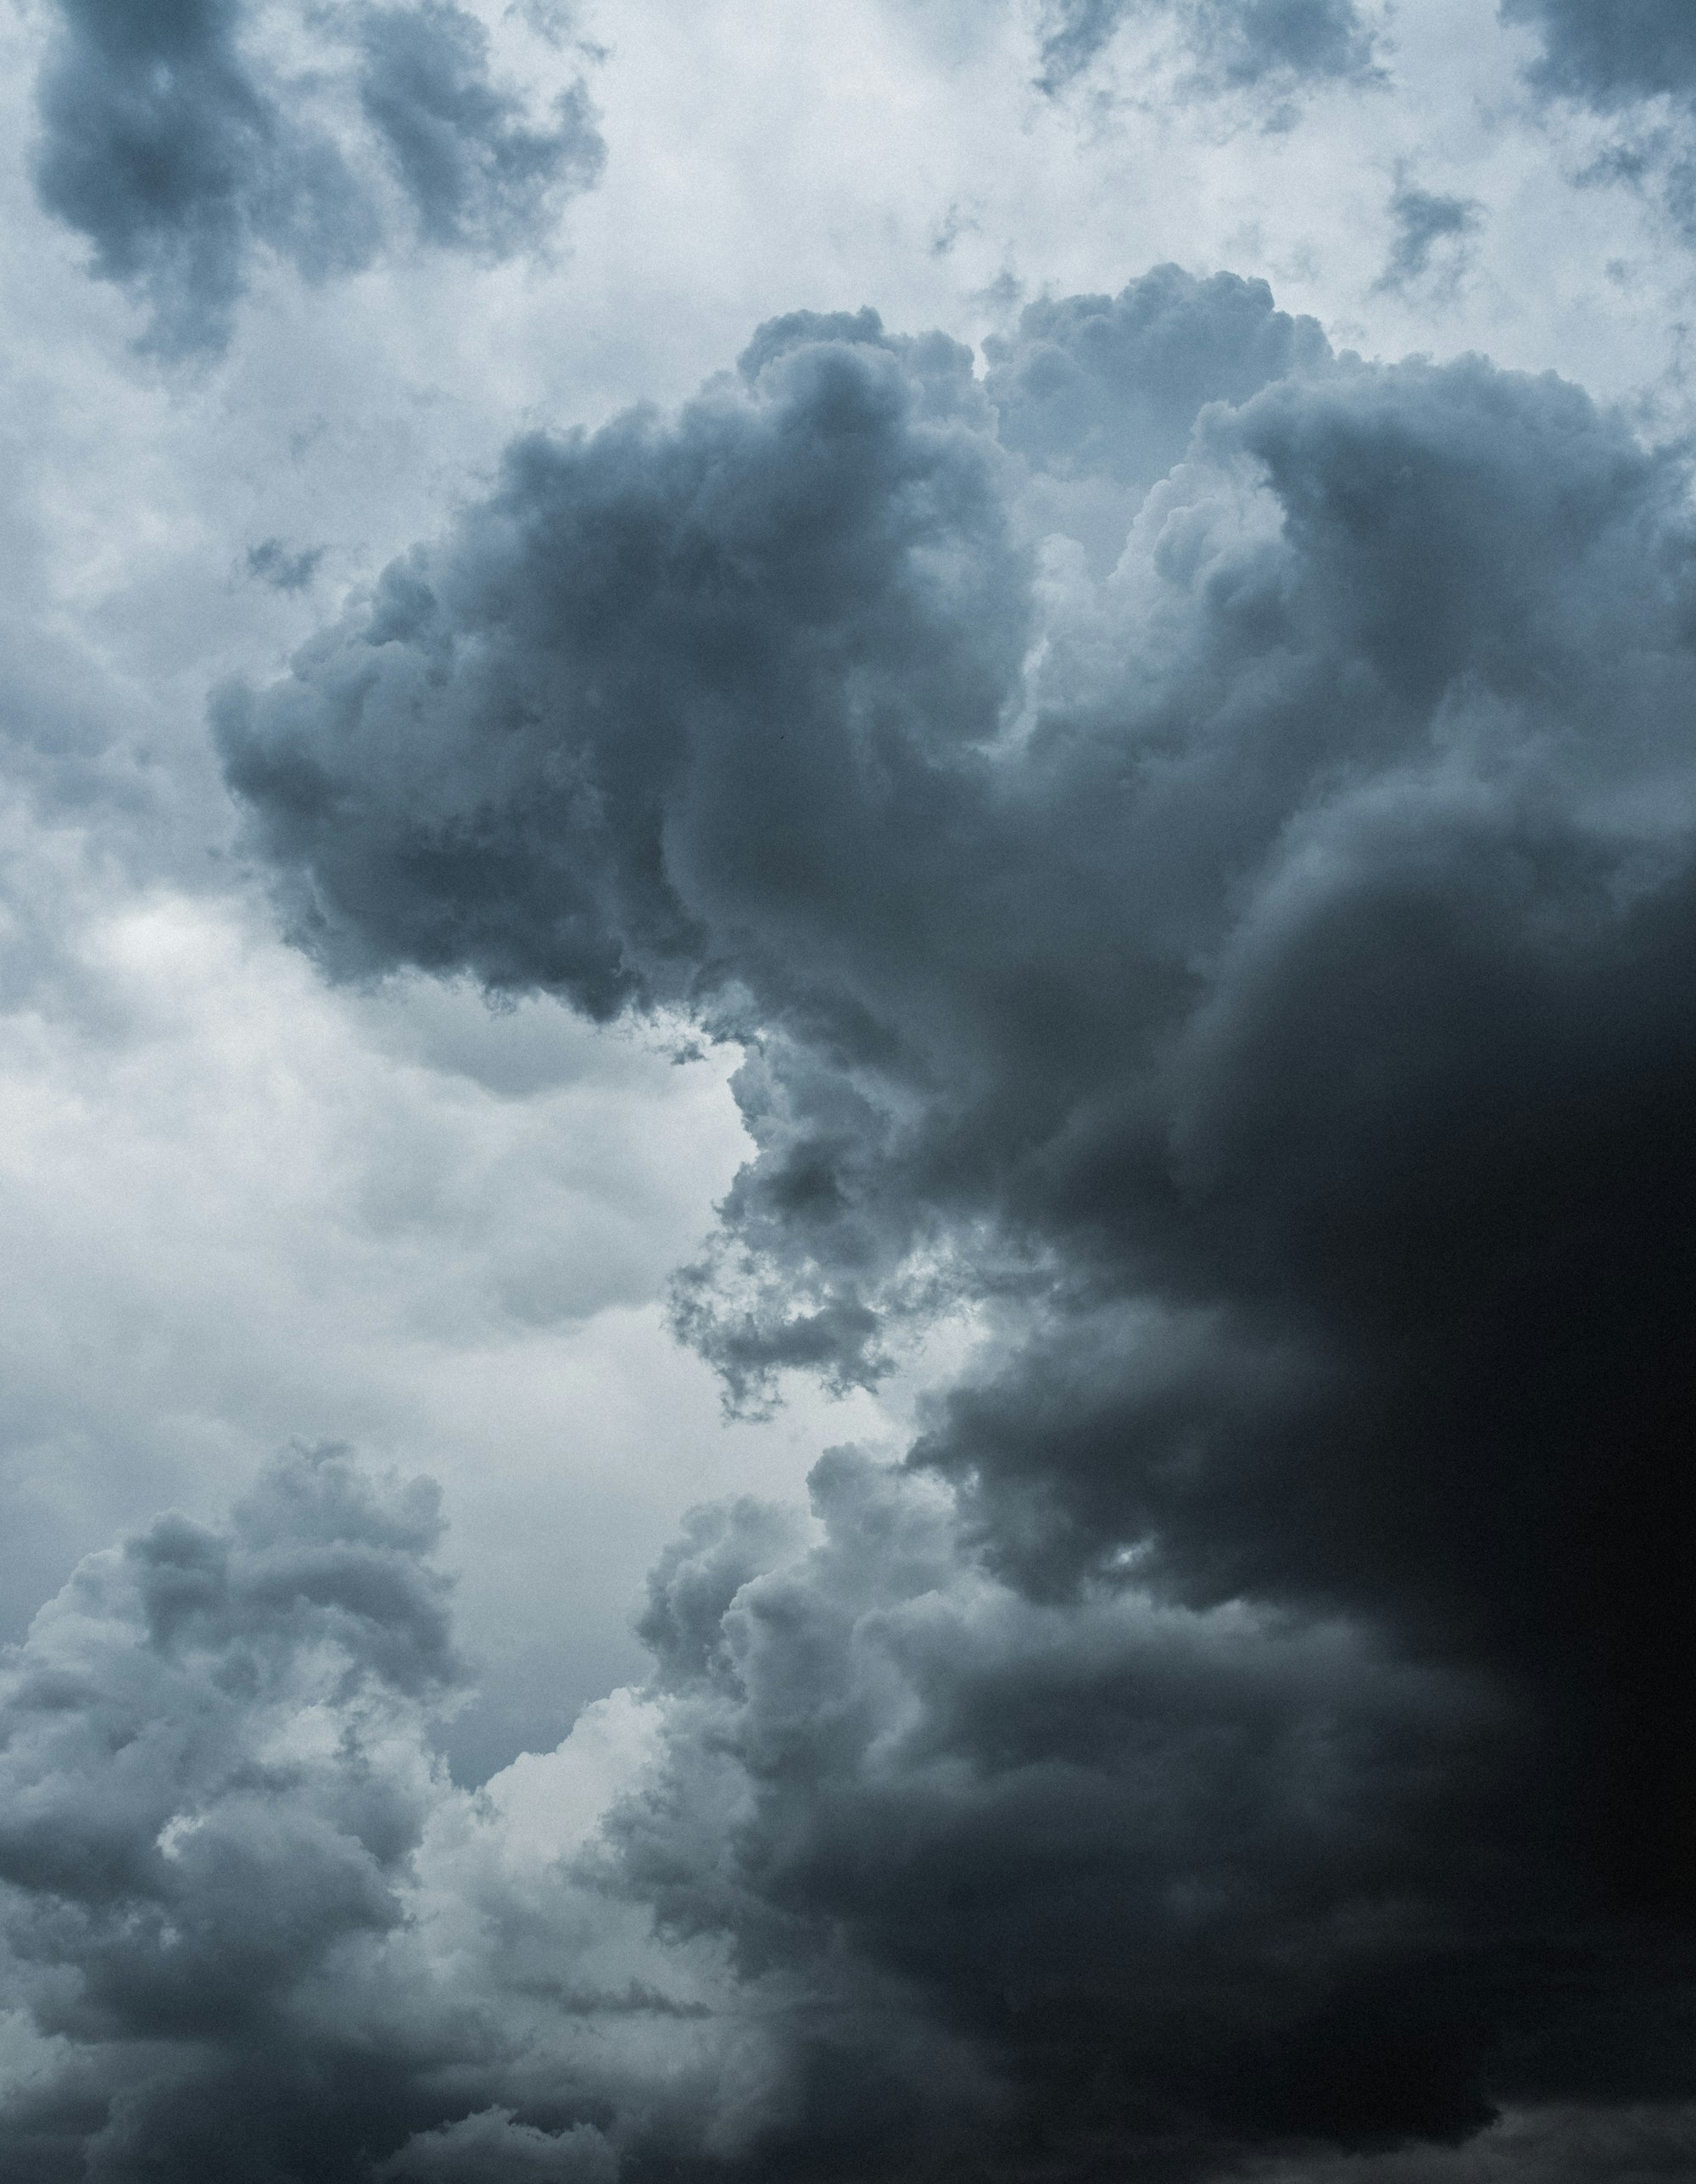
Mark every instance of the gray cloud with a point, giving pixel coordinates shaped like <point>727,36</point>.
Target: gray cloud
<point>271,563</point>
<point>1547,2146</point>
<point>1251,970</point>
<point>1610,52</point>
<point>253,1930</point>
<point>1424,222</point>
<point>213,1782</point>
<point>943,1878</point>
<point>180,152</point>
<point>1623,60</point>
<point>495,2145</point>
<point>479,177</point>
<point>1093,386</point>
<point>1060,1882</point>
<point>1100,394</point>
<point>1234,44</point>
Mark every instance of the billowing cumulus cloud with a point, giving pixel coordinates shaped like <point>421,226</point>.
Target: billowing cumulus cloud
<point>181,140</point>
<point>1211,895</point>
<point>251,1930</point>
<point>1099,394</point>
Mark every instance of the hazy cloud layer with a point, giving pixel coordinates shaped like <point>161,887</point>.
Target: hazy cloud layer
<point>1233,44</point>
<point>1252,971</point>
<point>182,139</point>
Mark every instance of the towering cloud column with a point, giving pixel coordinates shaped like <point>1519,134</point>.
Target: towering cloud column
<point>1197,839</point>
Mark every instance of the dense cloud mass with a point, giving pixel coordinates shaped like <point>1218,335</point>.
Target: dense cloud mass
<point>1234,44</point>
<point>890,1870</point>
<point>1250,971</point>
<point>179,144</point>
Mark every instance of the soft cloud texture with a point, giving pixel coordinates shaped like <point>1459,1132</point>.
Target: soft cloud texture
<point>1234,45</point>
<point>214,1778</point>
<point>179,146</point>
<point>1429,235</point>
<point>1611,50</point>
<point>258,1932</point>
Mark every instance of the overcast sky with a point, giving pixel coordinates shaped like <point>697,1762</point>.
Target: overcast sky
<point>849,866</point>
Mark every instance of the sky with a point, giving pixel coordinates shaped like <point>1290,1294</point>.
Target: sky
<point>847,878</point>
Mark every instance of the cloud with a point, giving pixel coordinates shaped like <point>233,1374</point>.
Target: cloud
<point>1635,64</point>
<point>183,146</point>
<point>1547,2146</point>
<point>855,1886</point>
<point>272,563</point>
<point>959,1818</point>
<point>1247,970</point>
<point>1608,53</point>
<point>478,177</point>
<point>1426,222</point>
<point>162,146</point>
<point>1099,394</point>
<point>214,1777</point>
<point>1235,45</point>
<point>249,1927</point>
<point>494,2146</point>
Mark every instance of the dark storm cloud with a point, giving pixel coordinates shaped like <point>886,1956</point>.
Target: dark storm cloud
<point>1549,2146</point>
<point>1063,1882</point>
<point>1234,44</point>
<point>1253,970</point>
<point>495,2148</point>
<point>1012,1888</point>
<point>180,152</point>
